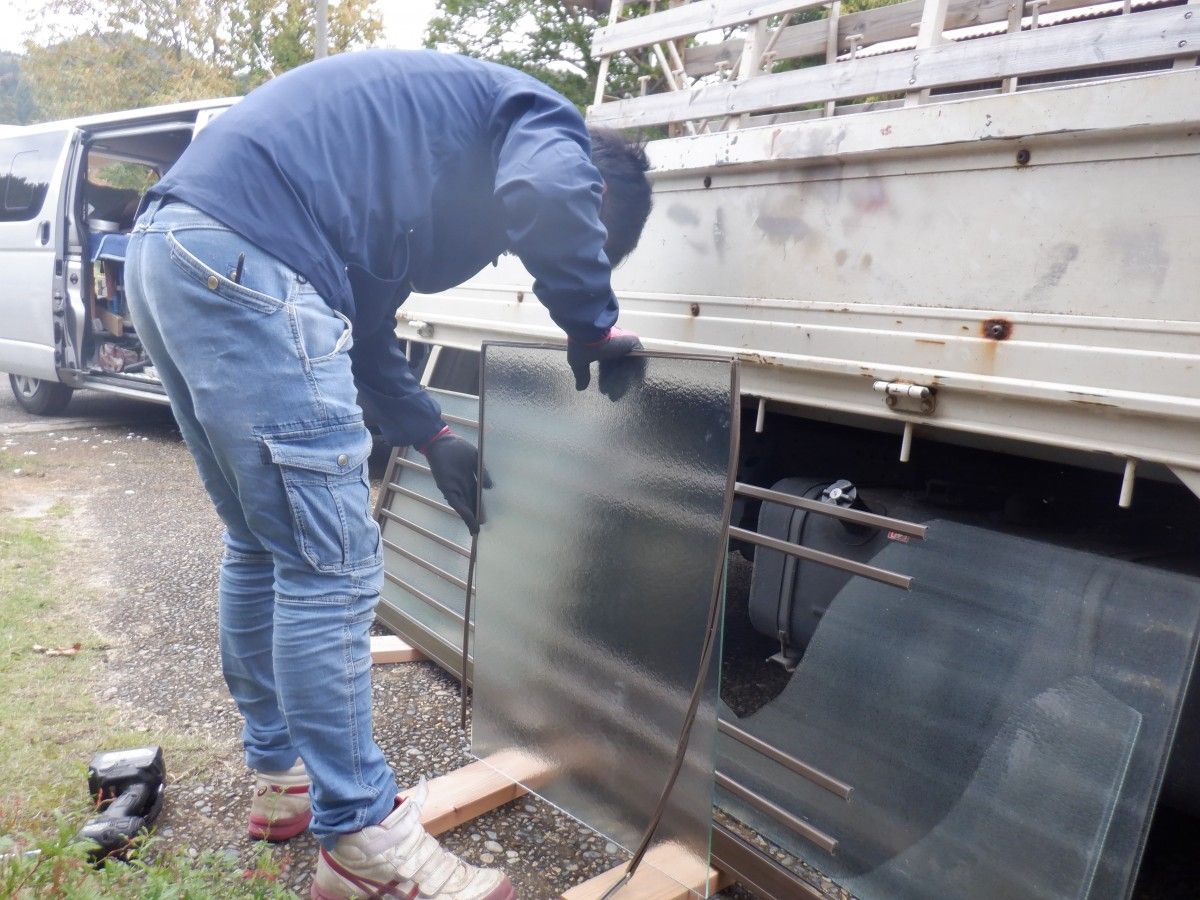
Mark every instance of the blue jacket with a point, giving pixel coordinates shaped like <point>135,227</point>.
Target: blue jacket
<point>379,173</point>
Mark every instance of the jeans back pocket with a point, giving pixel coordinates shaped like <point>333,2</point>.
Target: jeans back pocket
<point>211,259</point>
<point>324,472</point>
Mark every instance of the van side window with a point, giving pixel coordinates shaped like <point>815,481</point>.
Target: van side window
<point>26,167</point>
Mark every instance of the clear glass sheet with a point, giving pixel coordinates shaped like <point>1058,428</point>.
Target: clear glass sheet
<point>594,574</point>
<point>1004,726</point>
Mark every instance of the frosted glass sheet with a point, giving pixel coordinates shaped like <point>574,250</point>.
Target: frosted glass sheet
<point>1004,726</point>
<point>594,573</point>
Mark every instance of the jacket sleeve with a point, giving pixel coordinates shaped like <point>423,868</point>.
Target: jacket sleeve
<point>389,392</point>
<point>551,194</point>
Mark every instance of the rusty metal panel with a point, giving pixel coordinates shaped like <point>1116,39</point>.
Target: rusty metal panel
<point>1046,295</point>
<point>599,563</point>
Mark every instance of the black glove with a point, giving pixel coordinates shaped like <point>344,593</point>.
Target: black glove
<point>454,463</point>
<point>618,371</point>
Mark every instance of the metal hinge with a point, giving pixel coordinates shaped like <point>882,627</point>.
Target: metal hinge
<point>903,396</point>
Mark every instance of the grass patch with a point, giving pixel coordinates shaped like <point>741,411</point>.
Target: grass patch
<point>59,868</point>
<point>10,461</point>
<point>50,723</point>
<point>50,726</point>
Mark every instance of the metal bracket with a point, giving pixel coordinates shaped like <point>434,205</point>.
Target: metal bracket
<point>423,329</point>
<point>901,396</point>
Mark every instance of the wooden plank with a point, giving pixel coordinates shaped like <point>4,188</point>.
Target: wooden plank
<point>1105,42</point>
<point>933,23</point>
<point>831,54</point>
<point>885,23</point>
<point>388,648</point>
<point>684,21</point>
<point>477,788</point>
<point>650,882</point>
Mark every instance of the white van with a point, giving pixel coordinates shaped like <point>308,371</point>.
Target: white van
<point>69,192</point>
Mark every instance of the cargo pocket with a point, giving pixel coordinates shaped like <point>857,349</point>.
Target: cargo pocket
<point>324,473</point>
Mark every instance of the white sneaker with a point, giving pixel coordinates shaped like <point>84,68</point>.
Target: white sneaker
<point>398,858</point>
<point>281,808</point>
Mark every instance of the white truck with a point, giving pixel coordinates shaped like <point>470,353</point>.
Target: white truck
<point>951,244</point>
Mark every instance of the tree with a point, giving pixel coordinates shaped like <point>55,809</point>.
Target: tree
<point>17,106</point>
<point>141,52</point>
<point>95,73</point>
<point>549,39</point>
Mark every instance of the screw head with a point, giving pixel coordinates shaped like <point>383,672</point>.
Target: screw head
<point>1023,156</point>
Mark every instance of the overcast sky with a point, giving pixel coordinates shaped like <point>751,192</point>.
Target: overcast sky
<point>404,20</point>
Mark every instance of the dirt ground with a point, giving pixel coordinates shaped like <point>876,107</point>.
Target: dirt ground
<point>144,546</point>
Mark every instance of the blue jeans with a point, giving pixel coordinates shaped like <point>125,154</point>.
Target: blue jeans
<point>258,374</point>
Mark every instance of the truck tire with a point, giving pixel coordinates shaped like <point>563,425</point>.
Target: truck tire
<point>38,396</point>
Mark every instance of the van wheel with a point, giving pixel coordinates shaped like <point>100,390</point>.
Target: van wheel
<point>40,397</point>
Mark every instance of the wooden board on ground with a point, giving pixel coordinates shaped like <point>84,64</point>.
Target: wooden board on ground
<point>650,882</point>
<point>387,648</point>
<point>477,788</point>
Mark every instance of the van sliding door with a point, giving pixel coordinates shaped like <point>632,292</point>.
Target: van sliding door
<point>34,169</point>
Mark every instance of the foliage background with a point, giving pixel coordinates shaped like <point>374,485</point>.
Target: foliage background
<point>134,53</point>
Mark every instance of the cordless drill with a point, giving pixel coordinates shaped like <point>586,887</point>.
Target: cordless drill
<point>127,788</point>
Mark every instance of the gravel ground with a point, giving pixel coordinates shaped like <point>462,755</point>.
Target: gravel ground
<point>153,547</point>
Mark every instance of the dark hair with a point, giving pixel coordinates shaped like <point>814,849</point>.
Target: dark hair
<point>622,164</point>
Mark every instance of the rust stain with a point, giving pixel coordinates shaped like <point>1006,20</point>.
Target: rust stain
<point>757,359</point>
<point>871,197</point>
<point>993,331</point>
<point>840,257</point>
<point>930,341</point>
<point>996,329</point>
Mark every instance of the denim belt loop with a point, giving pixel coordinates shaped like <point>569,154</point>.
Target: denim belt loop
<point>148,209</point>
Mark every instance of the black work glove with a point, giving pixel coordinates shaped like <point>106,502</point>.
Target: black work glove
<point>454,463</point>
<point>618,370</point>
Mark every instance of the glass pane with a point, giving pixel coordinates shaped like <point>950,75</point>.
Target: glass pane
<point>1003,727</point>
<point>594,574</point>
